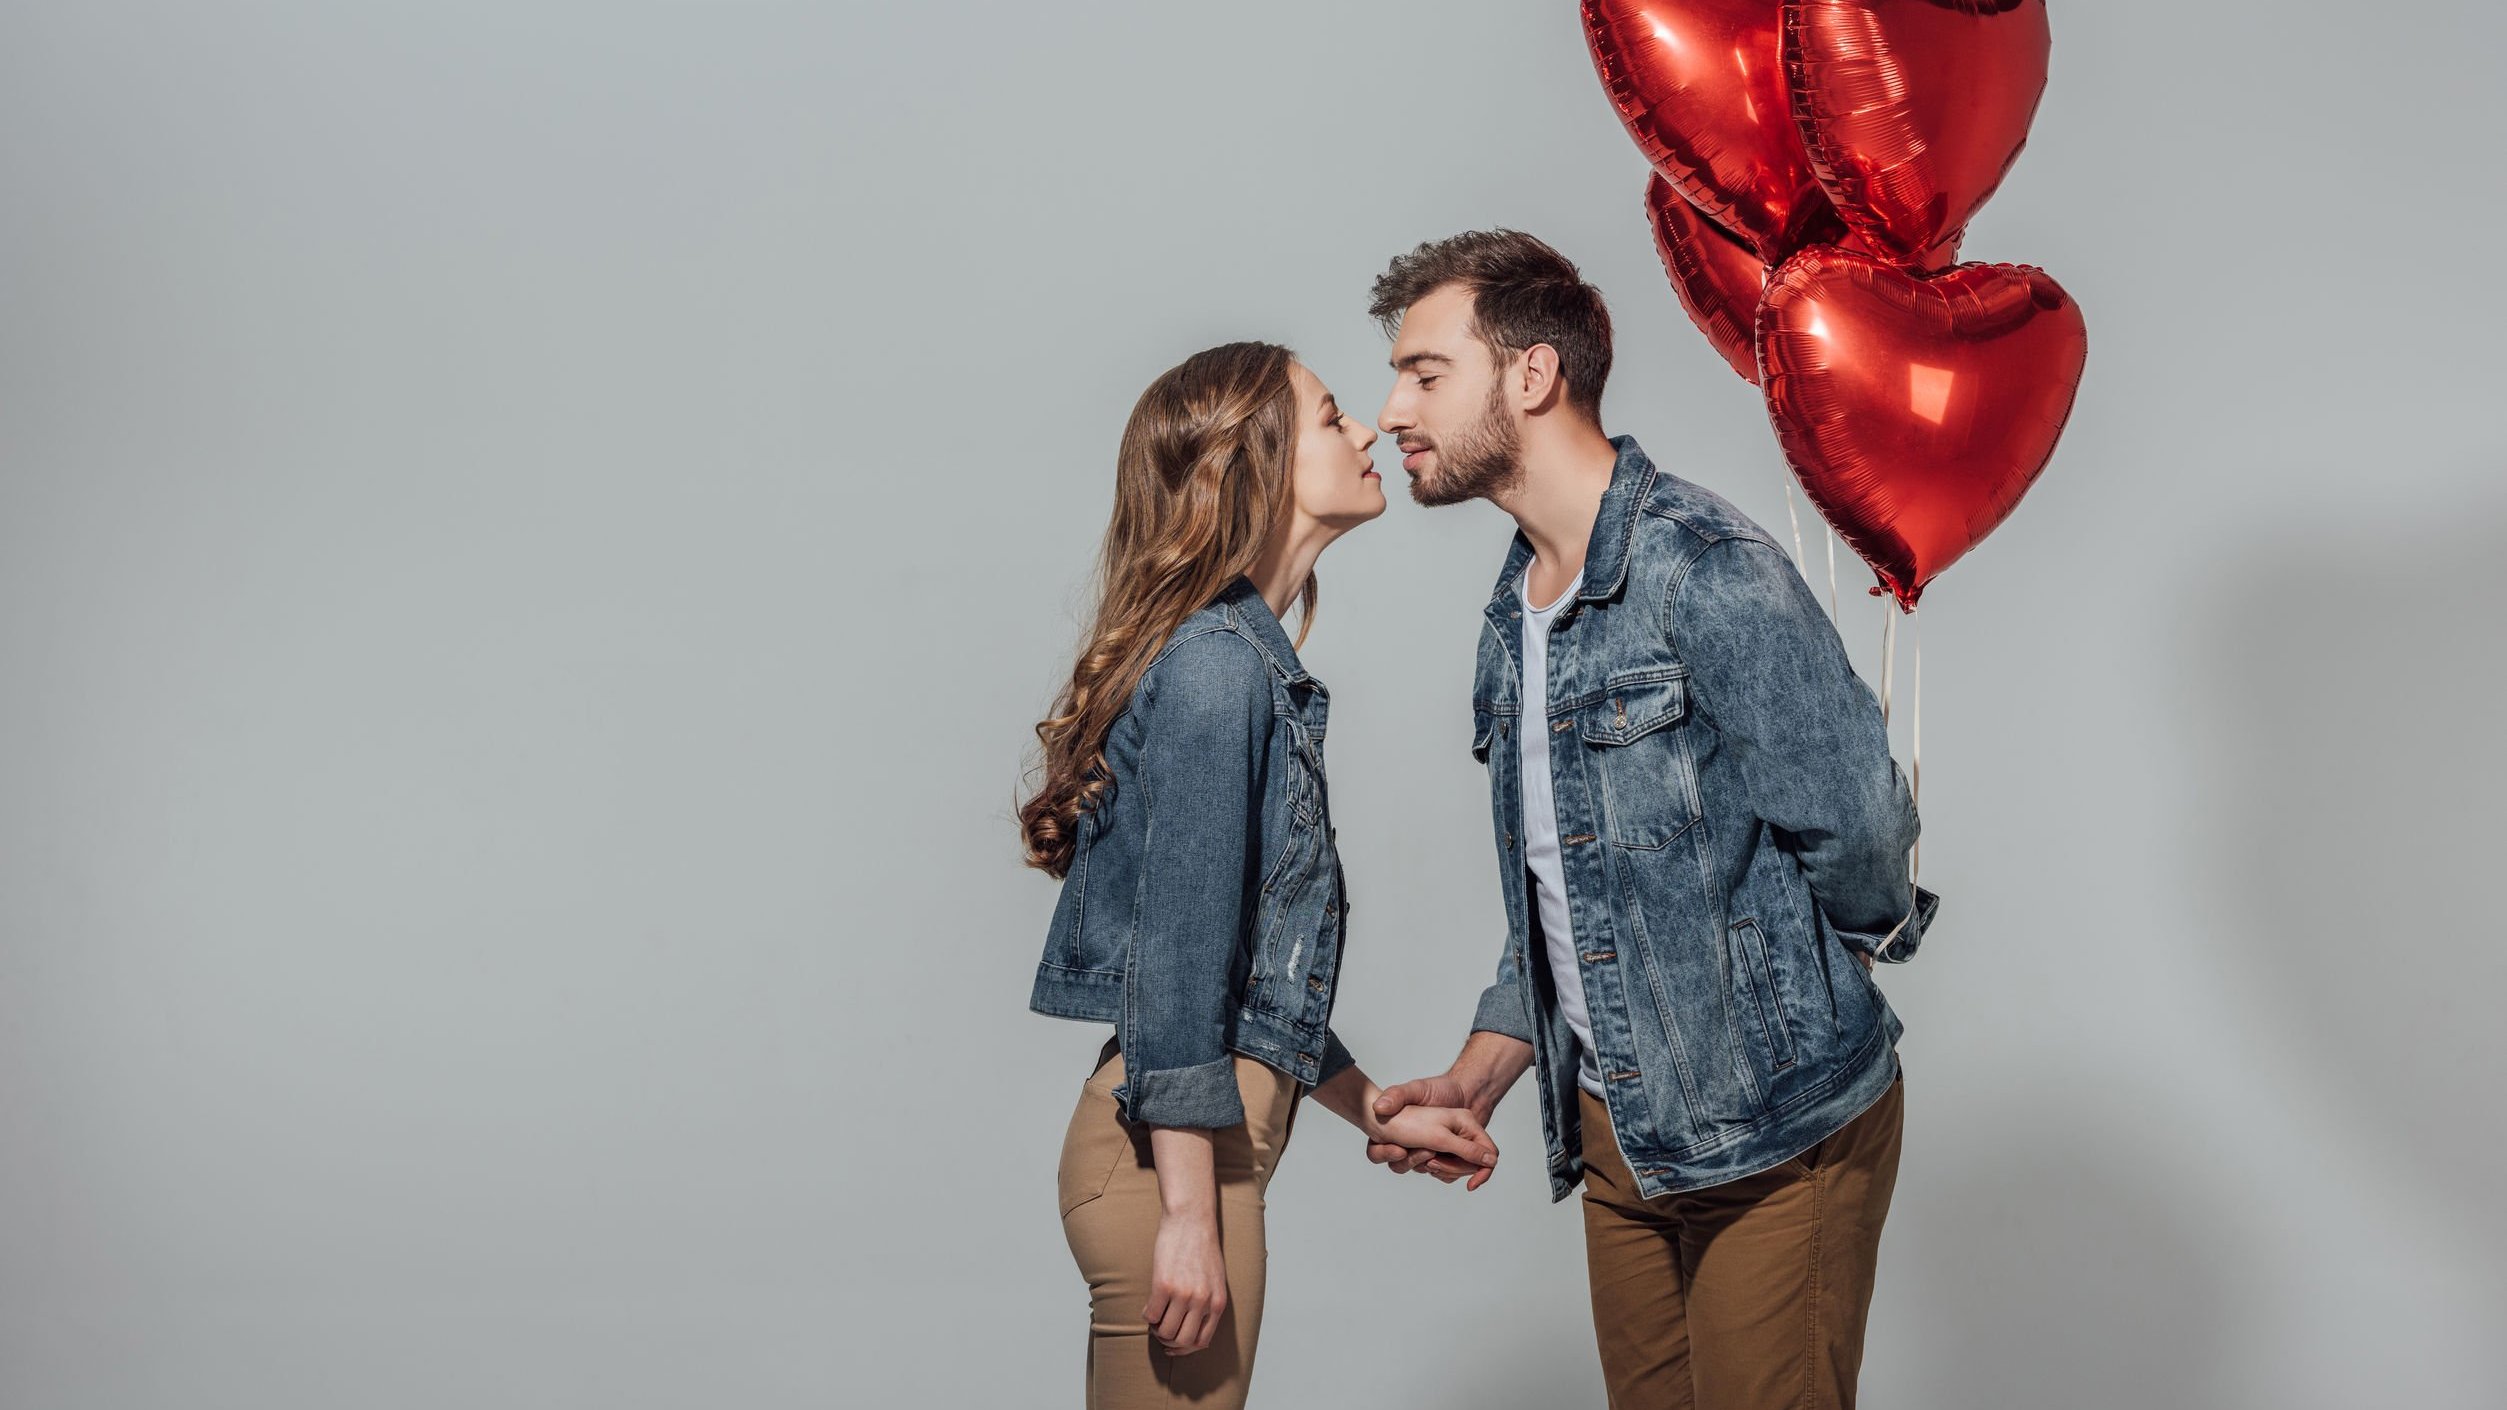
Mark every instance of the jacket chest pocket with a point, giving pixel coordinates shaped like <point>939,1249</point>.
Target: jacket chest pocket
<point>1639,757</point>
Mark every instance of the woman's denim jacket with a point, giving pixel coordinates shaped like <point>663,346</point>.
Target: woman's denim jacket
<point>1203,911</point>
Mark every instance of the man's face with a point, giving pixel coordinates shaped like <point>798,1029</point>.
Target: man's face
<point>1448,409</point>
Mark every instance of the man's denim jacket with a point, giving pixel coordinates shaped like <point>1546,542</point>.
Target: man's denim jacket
<point>1203,911</point>
<point>1733,832</point>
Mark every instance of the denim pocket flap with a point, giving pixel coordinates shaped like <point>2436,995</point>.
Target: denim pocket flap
<point>1634,707</point>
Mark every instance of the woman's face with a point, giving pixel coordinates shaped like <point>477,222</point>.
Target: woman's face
<point>1333,479</point>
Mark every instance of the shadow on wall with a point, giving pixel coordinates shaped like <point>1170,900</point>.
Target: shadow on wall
<point>2081,1278</point>
<point>2354,802</point>
<point>2344,689</point>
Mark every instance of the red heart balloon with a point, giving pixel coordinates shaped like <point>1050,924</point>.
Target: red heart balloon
<point>1913,110</point>
<point>1700,85</point>
<point>1934,260</point>
<point>1916,411</point>
<point>1717,277</point>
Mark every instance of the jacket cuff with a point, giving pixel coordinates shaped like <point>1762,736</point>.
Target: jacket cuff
<point>1501,1011</point>
<point>1203,1096</point>
<point>1909,936</point>
<point>1336,1059</point>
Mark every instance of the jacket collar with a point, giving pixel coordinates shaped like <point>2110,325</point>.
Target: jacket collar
<point>1245,608</point>
<point>1614,531</point>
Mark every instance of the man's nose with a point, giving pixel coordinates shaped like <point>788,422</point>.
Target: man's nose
<point>1394,418</point>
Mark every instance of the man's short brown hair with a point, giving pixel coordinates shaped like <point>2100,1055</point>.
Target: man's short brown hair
<point>1522,293</point>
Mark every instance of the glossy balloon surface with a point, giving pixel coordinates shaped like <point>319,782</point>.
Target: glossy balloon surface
<point>1916,411</point>
<point>1701,86</point>
<point>1912,111</point>
<point>1716,277</point>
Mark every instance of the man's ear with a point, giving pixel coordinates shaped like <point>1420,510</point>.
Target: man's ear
<point>1540,386</point>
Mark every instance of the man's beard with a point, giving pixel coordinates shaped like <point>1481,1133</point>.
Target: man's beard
<point>1482,461</point>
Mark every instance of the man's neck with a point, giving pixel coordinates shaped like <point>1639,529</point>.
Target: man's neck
<point>1565,475</point>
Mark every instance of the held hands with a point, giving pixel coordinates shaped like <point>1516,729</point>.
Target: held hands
<point>1448,1134</point>
<point>1439,1104</point>
<point>1448,1131</point>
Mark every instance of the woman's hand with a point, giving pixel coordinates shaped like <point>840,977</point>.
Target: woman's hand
<point>1187,1274</point>
<point>1187,1282</point>
<point>1418,1123</point>
<point>1452,1130</point>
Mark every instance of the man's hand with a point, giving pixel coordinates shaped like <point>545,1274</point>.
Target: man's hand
<point>1487,1066</point>
<point>1445,1090</point>
<point>1449,1136</point>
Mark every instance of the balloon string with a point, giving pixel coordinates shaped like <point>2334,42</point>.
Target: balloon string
<point>1831,536</point>
<point>1796,516</point>
<point>1915,864</point>
<point>1916,754</point>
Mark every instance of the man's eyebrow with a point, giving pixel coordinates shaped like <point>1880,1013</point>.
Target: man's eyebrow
<point>1404,364</point>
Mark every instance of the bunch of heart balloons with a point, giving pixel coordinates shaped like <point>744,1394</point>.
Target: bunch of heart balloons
<point>1816,163</point>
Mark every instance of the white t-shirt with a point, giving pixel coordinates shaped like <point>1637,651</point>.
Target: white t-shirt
<point>1540,831</point>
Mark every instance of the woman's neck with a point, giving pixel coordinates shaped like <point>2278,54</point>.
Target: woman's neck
<point>1287,560</point>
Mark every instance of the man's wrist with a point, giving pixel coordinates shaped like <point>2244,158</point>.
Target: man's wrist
<point>1487,1067</point>
<point>1480,1091</point>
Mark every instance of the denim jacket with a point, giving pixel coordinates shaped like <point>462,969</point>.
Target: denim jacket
<point>1203,911</point>
<point>1732,829</point>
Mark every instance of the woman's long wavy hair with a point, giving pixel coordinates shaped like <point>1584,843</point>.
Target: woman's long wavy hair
<point>1202,477</point>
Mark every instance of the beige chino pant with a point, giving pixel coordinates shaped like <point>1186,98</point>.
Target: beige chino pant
<point>1109,1197</point>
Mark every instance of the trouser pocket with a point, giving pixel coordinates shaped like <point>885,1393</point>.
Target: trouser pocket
<point>1097,1139</point>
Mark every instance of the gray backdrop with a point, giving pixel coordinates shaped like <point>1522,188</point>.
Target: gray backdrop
<point>535,534</point>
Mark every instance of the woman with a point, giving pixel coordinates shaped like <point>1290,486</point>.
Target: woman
<point>1183,806</point>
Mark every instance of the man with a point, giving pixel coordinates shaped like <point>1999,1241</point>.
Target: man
<point>1702,843</point>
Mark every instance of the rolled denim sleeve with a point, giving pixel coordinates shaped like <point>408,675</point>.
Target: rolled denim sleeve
<point>1206,726</point>
<point>1336,1058</point>
<point>1504,1007</point>
<point>1772,677</point>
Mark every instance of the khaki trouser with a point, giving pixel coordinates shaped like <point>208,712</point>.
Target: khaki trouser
<point>1746,1294</point>
<point>1110,1216</point>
